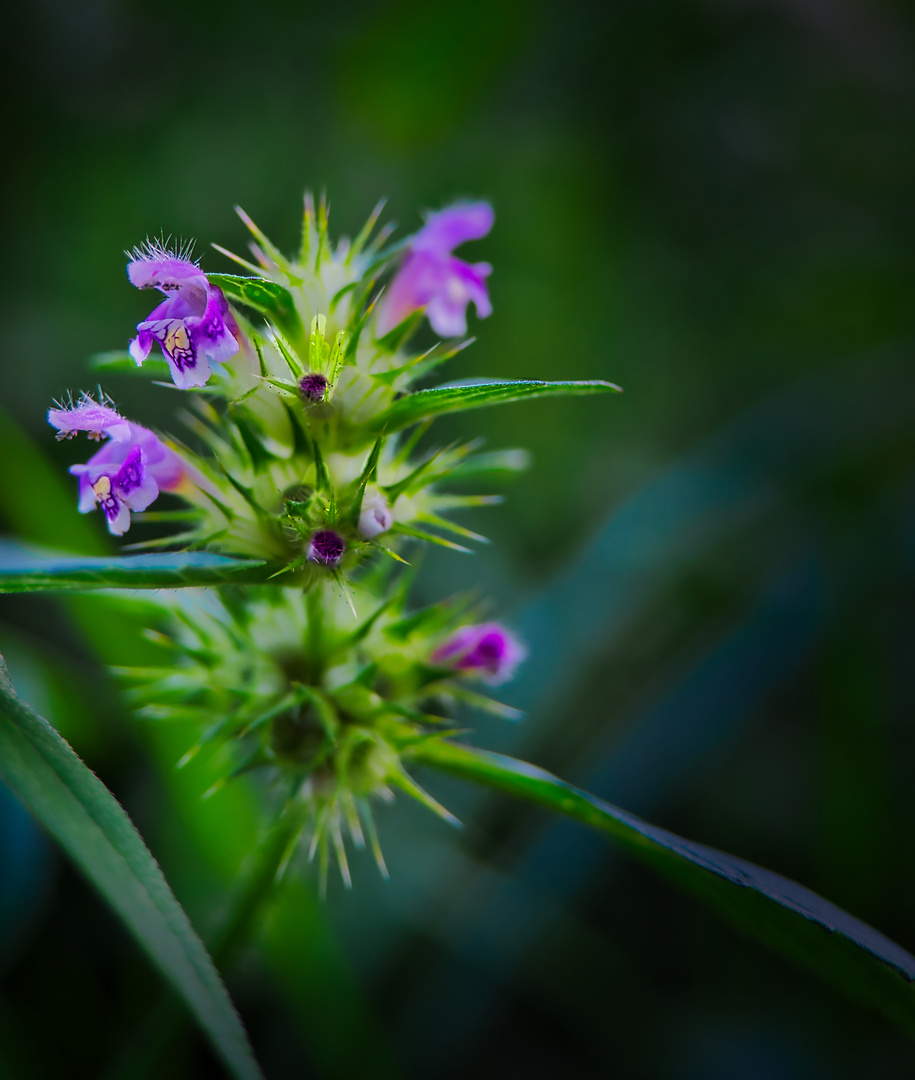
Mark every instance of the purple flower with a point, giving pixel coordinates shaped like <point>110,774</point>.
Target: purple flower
<point>193,325</point>
<point>95,418</point>
<point>313,386</point>
<point>326,547</point>
<point>486,649</point>
<point>127,475</point>
<point>431,277</point>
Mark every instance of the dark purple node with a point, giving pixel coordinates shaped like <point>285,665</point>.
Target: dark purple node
<point>313,386</point>
<point>326,547</point>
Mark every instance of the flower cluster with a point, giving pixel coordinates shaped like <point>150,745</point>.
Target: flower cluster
<point>314,463</point>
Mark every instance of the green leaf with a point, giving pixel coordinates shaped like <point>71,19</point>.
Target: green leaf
<point>120,362</point>
<point>858,959</point>
<point>431,538</point>
<point>87,821</point>
<point>447,399</point>
<point>22,571</point>
<point>494,461</point>
<point>370,469</point>
<point>272,300</point>
<point>401,334</point>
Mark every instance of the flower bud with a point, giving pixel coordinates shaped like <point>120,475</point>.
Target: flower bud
<point>326,547</point>
<point>376,516</point>
<point>313,387</point>
<point>487,649</point>
<point>371,764</point>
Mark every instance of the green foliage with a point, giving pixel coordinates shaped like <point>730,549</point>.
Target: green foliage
<point>120,362</point>
<point>425,404</point>
<point>861,962</point>
<point>86,820</point>
<point>268,298</point>
<point>22,572</point>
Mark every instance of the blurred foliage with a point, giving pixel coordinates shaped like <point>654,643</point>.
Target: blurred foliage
<point>708,203</point>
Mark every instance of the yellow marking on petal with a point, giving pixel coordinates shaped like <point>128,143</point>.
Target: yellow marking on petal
<point>102,488</point>
<point>177,339</point>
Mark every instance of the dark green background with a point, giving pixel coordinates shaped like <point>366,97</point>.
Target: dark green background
<point>708,203</point>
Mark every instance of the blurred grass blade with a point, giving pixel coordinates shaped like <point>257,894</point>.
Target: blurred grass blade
<point>21,571</point>
<point>808,929</point>
<point>83,816</point>
<point>448,399</point>
<point>267,297</point>
<point>120,362</point>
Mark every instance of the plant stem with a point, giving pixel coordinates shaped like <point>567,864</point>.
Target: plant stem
<point>264,866</point>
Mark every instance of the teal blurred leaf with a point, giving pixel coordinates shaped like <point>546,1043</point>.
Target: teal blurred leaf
<point>869,967</point>
<point>267,297</point>
<point>448,399</point>
<point>87,821</point>
<point>22,571</point>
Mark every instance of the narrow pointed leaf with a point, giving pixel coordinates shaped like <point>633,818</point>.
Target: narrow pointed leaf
<point>447,399</point>
<point>21,571</point>
<point>495,461</point>
<point>87,821</point>
<point>869,967</point>
<point>370,467</point>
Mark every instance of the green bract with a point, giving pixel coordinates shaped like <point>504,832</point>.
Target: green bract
<point>326,705</point>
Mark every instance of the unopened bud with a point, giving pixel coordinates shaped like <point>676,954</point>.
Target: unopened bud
<point>376,516</point>
<point>313,386</point>
<point>326,547</point>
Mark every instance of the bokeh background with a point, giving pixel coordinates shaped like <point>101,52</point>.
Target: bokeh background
<point>709,202</point>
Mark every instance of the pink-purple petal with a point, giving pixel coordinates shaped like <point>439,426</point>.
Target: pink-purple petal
<point>159,269</point>
<point>137,470</point>
<point>449,228</point>
<point>140,347</point>
<point>488,650</point>
<point>431,277</point>
<point>447,309</point>
<point>91,417</point>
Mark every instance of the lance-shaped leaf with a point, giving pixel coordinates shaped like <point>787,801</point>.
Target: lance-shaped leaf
<point>22,571</point>
<point>858,959</point>
<point>272,300</point>
<point>448,399</point>
<point>87,821</point>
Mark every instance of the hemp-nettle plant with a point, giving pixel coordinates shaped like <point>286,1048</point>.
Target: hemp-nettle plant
<point>282,591</point>
<point>302,373</point>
